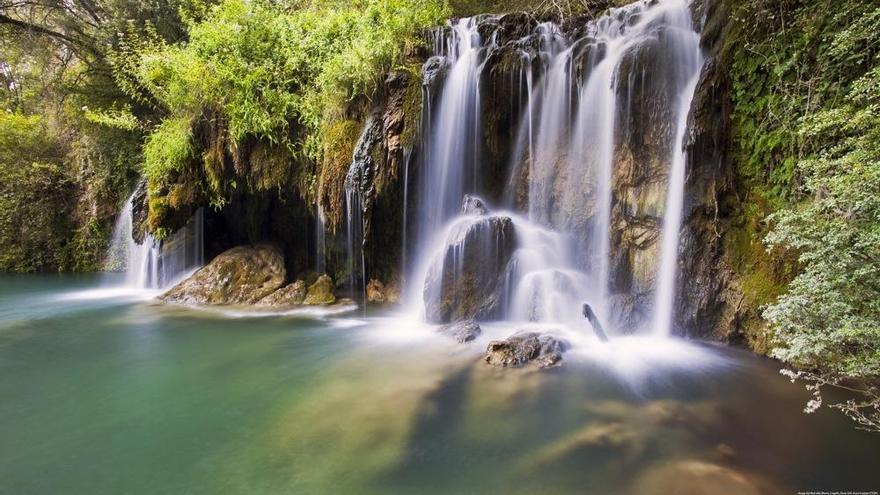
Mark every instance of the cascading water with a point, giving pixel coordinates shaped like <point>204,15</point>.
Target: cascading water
<point>153,264</point>
<point>358,181</point>
<point>320,239</point>
<point>452,144</point>
<point>665,292</point>
<point>585,111</point>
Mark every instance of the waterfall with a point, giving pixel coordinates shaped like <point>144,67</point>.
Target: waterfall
<point>599,153</point>
<point>664,303</point>
<point>320,238</point>
<point>154,264</point>
<point>452,141</point>
<point>354,234</point>
<point>358,181</point>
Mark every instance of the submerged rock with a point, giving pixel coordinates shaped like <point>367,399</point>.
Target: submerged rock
<point>290,295</point>
<point>466,281</point>
<point>321,292</point>
<point>462,332</point>
<point>523,348</point>
<point>241,275</point>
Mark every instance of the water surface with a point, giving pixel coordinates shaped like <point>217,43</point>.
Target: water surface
<point>111,395</point>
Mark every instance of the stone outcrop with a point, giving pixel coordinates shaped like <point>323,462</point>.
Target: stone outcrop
<point>241,275</point>
<point>289,296</point>
<point>525,348</point>
<point>139,212</point>
<point>379,293</point>
<point>462,331</point>
<point>465,281</point>
<point>321,292</point>
<point>711,303</point>
<point>433,71</point>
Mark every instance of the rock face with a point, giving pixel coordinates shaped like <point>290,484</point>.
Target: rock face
<point>433,71</point>
<point>462,332</point>
<point>466,280</point>
<point>241,275</point>
<point>139,212</point>
<point>321,292</point>
<point>525,348</point>
<point>285,297</point>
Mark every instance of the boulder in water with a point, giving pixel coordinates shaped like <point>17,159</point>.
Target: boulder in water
<point>466,281</point>
<point>462,331</point>
<point>375,291</point>
<point>291,295</point>
<point>321,292</point>
<point>379,293</point>
<point>524,348</point>
<point>241,275</point>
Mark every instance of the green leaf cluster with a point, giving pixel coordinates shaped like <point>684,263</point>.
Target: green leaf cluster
<point>33,229</point>
<point>272,72</point>
<point>830,317</point>
<point>806,92</point>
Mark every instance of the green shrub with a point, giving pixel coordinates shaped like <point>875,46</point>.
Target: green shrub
<point>257,71</point>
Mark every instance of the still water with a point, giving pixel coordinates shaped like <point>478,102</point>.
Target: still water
<point>119,395</point>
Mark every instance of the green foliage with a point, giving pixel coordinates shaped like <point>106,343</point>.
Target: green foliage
<point>273,74</point>
<point>34,224</point>
<point>805,122</point>
<point>58,72</point>
<point>168,148</point>
<point>829,321</point>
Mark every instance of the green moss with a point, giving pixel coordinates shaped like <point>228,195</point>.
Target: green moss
<point>257,90</point>
<point>340,138</point>
<point>321,292</point>
<point>412,106</point>
<point>269,167</point>
<point>783,68</point>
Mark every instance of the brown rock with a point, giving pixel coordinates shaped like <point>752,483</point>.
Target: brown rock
<point>523,348</point>
<point>242,275</point>
<point>291,295</point>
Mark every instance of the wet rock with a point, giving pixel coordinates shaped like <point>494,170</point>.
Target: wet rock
<point>524,348</point>
<point>321,292</point>
<point>241,275</point>
<point>139,212</point>
<point>290,295</point>
<point>375,291</point>
<point>473,205</point>
<point>434,70</point>
<point>465,282</point>
<point>462,332</point>
<point>379,293</point>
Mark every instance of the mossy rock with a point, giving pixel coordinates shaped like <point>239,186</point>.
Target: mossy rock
<point>241,275</point>
<point>285,297</point>
<point>321,292</point>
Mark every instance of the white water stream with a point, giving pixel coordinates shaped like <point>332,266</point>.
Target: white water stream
<point>568,140</point>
